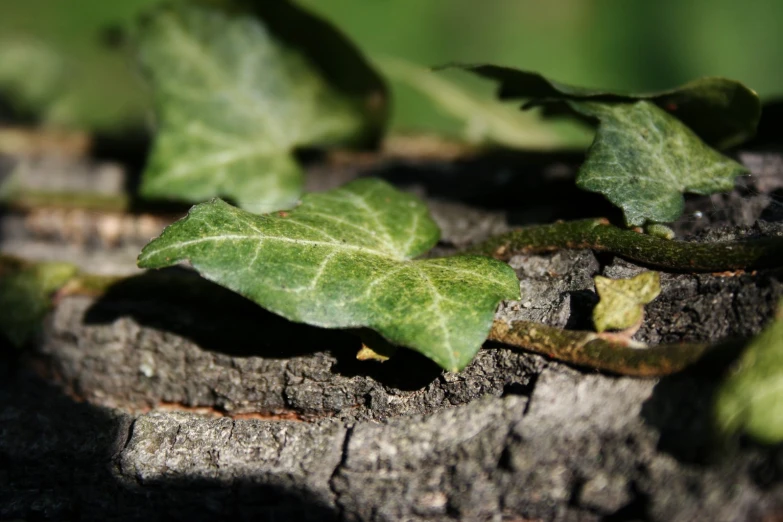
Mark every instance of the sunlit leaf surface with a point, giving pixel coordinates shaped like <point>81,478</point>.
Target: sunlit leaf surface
<point>345,258</point>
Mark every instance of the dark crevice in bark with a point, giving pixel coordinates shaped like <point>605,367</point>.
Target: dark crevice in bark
<point>335,474</point>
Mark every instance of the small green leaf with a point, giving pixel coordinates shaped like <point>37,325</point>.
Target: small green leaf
<point>722,112</point>
<point>643,159</point>
<point>344,259</point>
<point>233,103</point>
<point>25,295</point>
<point>622,300</point>
<point>659,230</point>
<point>751,398</point>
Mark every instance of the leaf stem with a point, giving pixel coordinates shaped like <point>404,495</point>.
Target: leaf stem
<point>599,235</point>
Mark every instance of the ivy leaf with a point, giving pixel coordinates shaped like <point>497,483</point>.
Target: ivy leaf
<point>751,398</point>
<point>29,73</point>
<point>722,112</point>
<point>345,259</point>
<point>622,300</point>
<point>234,101</point>
<point>643,159</point>
<point>484,120</point>
<point>66,64</point>
<point>25,295</point>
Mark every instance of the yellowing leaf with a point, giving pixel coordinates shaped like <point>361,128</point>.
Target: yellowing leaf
<point>233,103</point>
<point>374,347</point>
<point>345,259</point>
<point>368,354</point>
<point>643,159</point>
<point>751,398</point>
<point>622,300</point>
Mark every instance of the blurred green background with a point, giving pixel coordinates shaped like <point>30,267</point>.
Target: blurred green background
<point>622,44</point>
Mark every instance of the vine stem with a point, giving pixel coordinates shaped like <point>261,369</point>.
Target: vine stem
<point>592,350</point>
<point>599,235</point>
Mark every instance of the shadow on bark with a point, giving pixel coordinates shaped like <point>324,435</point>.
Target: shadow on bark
<point>59,461</point>
<point>533,187</point>
<point>181,302</point>
<point>681,407</point>
<point>218,320</point>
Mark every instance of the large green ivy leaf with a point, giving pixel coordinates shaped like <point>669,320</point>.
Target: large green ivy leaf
<point>751,399</point>
<point>722,112</point>
<point>344,259</point>
<point>622,300</point>
<point>25,295</point>
<point>643,160</point>
<point>234,101</point>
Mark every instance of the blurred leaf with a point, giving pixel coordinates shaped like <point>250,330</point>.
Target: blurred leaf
<point>485,120</point>
<point>751,398</point>
<point>722,112</point>
<point>344,259</point>
<point>30,73</point>
<point>58,64</point>
<point>622,300</point>
<point>643,159</point>
<point>233,104</point>
<point>341,64</point>
<point>25,295</point>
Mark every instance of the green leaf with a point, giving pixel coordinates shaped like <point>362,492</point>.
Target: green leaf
<point>659,230</point>
<point>622,300</point>
<point>25,295</point>
<point>29,72</point>
<point>751,398</point>
<point>344,259</point>
<point>643,159</point>
<point>722,112</point>
<point>234,101</point>
<point>485,120</point>
<point>65,63</point>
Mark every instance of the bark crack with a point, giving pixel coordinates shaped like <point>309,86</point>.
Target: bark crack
<point>333,488</point>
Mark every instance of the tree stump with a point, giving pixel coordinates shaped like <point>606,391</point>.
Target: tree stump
<point>167,397</point>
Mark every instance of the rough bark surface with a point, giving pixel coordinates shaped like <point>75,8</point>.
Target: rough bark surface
<point>163,401</point>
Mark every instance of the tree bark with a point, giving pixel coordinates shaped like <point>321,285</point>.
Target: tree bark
<point>171,398</point>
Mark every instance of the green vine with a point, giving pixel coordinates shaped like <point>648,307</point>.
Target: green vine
<point>599,235</point>
<point>601,352</point>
